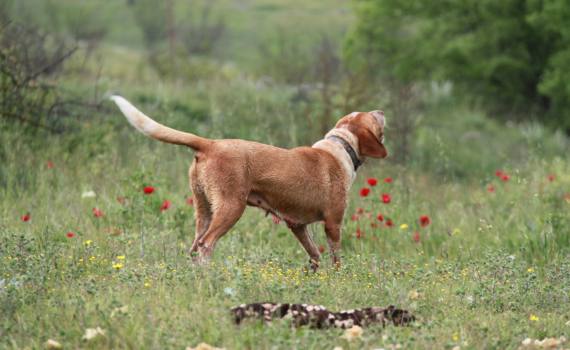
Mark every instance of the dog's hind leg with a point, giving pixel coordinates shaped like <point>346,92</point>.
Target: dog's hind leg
<point>203,217</point>
<point>202,206</point>
<point>224,217</point>
<point>304,237</point>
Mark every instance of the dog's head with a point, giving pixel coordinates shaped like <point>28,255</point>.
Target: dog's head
<point>369,128</point>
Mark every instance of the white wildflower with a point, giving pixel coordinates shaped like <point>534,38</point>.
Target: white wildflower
<point>123,310</point>
<point>204,346</point>
<point>91,333</point>
<point>88,194</point>
<point>53,344</point>
<point>353,333</point>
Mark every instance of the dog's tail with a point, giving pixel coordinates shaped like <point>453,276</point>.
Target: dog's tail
<point>158,131</point>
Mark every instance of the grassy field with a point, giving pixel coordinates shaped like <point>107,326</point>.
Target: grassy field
<point>489,270</point>
<point>472,234</point>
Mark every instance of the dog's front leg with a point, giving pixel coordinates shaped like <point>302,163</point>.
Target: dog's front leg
<point>304,237</point>
<point>332,229</point>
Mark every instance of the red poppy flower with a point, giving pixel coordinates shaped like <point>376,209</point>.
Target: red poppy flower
<point>321,249</point>
<point>490,188</point>
<point>190,201</point>
<point>148,189</point>
<point>354,217</point>
<point>389,223</point>
<point>358,233</point>
<point>70,234</point>
<point>386,198</point>
<point>505,177</point>
<point>26,217</point>
<point>499,173</point>
<point>364,191</point>
<point>165,205</point>
<point>380,217</point>
<point>372,181</point>
<point>388,180</point>
<point>359,210</point>
<point>49,164</point>
<point>424,220</point>
<point>97,212</point>
<point>416,237</point>
<point>551,177</point>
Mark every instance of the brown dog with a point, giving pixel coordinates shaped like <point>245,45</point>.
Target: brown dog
<point>300,185</point>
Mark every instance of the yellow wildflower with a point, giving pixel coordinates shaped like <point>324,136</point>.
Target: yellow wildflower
<point>121,257</point>
<point>414,295</point>
<point>533,317</point>
<point>88,242</point>
<point>403,226</point>
<point>117,266</point>
<point>530,269</point>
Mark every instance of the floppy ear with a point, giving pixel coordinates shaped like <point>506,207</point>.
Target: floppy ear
<point>369,145</point>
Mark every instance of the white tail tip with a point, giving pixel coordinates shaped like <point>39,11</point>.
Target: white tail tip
<point>137,118</point>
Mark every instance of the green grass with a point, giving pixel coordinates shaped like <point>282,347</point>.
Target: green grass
<point>483,267</point>
<point>485,264</point>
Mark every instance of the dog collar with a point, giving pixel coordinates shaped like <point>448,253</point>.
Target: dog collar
<point>348,148</point>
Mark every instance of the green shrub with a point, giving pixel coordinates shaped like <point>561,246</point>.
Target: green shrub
<point>512,55</point>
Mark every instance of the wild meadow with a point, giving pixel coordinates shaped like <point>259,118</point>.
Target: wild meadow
<point>469,231</point>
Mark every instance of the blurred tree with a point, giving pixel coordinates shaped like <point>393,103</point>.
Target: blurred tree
<point>29,66</point>
<point>512,54</point>
<point>201,33</point>
<point>185,30</point>
<point>83,20</point>
<point>552,18</point>
<point>151,17</point>
<point>383,52</point>
<point>327,68</point>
